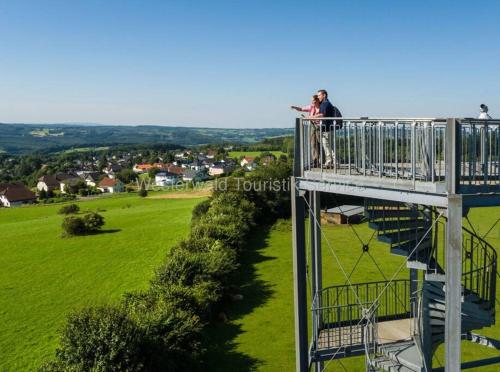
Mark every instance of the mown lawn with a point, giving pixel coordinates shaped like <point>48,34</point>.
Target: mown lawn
<point>239,154</point>
<point>43,276</point>
<point>260,331</point>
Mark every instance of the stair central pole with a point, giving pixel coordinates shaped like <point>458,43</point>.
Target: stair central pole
<point>453,334</point>
<point>299,279</point>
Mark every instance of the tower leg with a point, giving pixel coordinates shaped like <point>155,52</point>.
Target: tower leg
<point>316,263</point>
<point>453,284</point>
<point>299,280</point>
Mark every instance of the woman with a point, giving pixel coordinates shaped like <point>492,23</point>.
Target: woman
<point>312,109</point>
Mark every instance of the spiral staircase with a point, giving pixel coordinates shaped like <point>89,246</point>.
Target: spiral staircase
<point>410,232</point>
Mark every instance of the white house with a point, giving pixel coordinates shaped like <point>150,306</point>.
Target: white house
<point>111,185</point>
<point>16,193</point>
<point>166,179</point>
<point>47,183</point>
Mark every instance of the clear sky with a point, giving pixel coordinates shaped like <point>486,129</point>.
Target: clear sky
<point>242,63</point>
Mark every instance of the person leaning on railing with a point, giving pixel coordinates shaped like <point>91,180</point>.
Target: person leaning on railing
<point>312,110</point>
<point>327,110</point>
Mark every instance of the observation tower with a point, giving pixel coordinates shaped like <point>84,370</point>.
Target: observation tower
<point>416,179</point>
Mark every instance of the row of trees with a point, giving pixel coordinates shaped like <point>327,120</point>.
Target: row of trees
<point>161,328</point>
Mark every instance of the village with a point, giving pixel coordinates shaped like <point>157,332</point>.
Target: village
<point>95,177</point>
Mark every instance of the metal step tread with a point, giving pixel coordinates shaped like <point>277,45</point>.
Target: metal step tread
<point>412,236</point>
<point>397,224</point>
<point>389,365</point>
<point>406,353</point>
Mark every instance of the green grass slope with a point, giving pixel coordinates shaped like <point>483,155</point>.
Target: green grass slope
<point>260,331</point>
<point>43,276</point>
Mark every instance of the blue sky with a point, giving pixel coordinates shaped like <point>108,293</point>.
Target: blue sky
<point>242,63</point>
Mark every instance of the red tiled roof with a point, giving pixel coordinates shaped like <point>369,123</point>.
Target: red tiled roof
<point>176,170</point>
<point>108,182</point>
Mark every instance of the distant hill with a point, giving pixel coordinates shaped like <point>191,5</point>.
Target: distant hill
<point>27,138</point>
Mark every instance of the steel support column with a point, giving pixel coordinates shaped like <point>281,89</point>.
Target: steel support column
<point>316,263</point>
<point>299,280</point>
<point>453,283</point>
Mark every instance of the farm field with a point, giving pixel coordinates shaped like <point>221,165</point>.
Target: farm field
<point>44,276</point>
<point>239,154</point>
<point>260,333</point>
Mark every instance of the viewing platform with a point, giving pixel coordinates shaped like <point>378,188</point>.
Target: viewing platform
<point>419,160</point>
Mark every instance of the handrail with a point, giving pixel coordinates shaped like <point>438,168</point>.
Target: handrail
<point>411,150</point>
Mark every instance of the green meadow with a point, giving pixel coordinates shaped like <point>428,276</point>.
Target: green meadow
<point>239,154</point>
<point>260,331</point>
<point>43,276</point>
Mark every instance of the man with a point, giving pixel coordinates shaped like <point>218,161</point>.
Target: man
<point>327,110</point>
<point>483,112</point>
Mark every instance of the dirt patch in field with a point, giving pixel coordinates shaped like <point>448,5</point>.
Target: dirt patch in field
<point>184,195</point>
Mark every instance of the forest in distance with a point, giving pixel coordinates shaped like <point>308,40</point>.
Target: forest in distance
<point>19,139</point>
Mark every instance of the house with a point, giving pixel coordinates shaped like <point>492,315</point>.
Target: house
<point>67,182</point>
<point>91,178</point>
<point>166,179</point>
<point>218,169</point>
<point>16,193</point>
<point>192,175</point>
<point>112,169</point>
<point>111,185</point>
<point>247,160</point>
<point>176,170</point>
<point>58,181</point>
<point>142,168</point>
<point>48,183</point>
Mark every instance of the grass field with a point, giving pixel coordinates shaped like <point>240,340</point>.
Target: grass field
<point>43,276</point>
<point>260,333</point>
<point>239,154</point>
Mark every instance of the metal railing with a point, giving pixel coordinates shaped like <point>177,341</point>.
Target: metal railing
<point>479,265</point>
<point>403,149</point>
<point>339,312</point>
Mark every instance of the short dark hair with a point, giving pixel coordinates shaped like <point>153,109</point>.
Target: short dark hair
<point>324,92</point>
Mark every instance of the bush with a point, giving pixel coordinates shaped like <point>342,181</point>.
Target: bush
<point>99,339</point>
<point>90,222</point>
<point>69,209</point>
<point>93,221</point>
<point>200,209</point>
<point>73,226</point>
<point>142,192</point>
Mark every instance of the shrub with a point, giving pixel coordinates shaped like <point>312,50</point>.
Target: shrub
<point>93,221</point>
<point>172,336</point>
<point>99,339</point>
<point>69,209</point>
<point>142,192</point>
<point>200,209</point>
<point>73,226</point>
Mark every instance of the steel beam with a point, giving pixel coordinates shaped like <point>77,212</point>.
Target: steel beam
<point>299,280</point>
<point>375,193</point>
<point>453,309</point>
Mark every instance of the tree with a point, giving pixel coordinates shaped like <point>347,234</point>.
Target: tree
<point>93,222</point>
<point>69,209</point>
<point>100,339</point>
<point>42,194</point>
<point>126,175</point>
<point>73,225</point>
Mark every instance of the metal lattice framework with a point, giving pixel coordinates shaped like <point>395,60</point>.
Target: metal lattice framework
<point>418,178</point>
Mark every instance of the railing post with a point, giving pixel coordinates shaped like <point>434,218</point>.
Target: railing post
<point>453,295</point>
<point>297,153</point>
<point>299,279</point>
<point>453,158</point>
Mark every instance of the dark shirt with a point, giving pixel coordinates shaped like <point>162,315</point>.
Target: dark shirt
<point>330,111</point>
